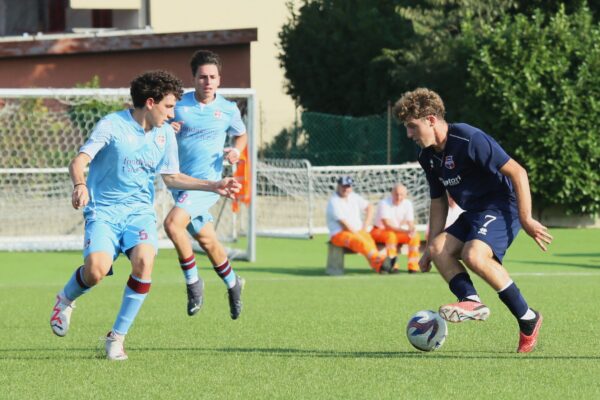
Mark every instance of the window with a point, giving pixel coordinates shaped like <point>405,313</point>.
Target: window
<point>29,17</point>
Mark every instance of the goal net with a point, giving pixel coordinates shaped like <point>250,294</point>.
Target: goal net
<point>41,130</point>
<point>292,195</point>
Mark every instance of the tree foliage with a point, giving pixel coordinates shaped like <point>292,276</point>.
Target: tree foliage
<point>526,71</point>
<point>538,78</point>
<point>327,48</point>
<point>435,56</point>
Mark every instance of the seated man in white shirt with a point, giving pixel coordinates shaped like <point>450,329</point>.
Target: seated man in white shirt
<point>347,228</point>
<point>395,225</point>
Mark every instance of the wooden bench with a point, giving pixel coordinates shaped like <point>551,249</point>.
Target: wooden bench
<point>335,254</point>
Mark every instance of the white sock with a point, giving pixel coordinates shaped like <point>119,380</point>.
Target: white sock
<point>474,297</point>
<point>528,315</point>
<point>64,299</point>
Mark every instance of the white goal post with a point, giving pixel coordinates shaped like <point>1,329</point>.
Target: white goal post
<point>41,131</point>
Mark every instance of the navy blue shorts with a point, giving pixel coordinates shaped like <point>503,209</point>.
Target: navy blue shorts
<point>496,228</point>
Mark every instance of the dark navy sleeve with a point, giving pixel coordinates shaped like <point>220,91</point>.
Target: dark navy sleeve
<point>436,189</point>
<point>487,153</point>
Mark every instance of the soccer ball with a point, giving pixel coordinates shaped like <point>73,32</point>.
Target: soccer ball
<point>426,330</point>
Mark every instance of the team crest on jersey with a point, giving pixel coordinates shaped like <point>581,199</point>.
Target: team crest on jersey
<point>218,114</point>
<point>160,141</point>
<point>449,162</point>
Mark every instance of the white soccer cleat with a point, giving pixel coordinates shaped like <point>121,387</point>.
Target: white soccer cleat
<point>61,316</point>
<point>115,350</point>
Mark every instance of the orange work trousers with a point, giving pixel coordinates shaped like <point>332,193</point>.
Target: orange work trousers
<point>392,239</point>
<point>359,242</point>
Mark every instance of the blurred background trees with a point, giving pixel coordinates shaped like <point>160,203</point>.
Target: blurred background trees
<point>525,71</point>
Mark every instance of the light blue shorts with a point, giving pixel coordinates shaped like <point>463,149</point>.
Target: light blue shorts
<point>197,204</point>
<point>120,236</point>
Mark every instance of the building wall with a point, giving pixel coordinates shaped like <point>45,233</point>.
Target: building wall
<point>276,108</point>
<point>116,69</point>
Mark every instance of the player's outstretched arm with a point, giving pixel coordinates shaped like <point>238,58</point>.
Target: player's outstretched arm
<point>80,196</point>
<point>533,228</point>
<point>226,187</point>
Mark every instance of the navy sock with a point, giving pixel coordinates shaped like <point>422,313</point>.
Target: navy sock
<point>511,296</point>
<point>462,286</point>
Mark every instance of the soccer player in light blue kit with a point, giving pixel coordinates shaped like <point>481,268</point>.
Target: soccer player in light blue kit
<point>204,119</point>
<point>125,151</point>
<point>493,189</point>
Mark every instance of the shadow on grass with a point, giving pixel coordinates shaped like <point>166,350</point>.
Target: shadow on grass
<point>593,255</point>
<point>42,354</point>
<point>81,353</point>
<point>307,271</point>
<point>591,265</point>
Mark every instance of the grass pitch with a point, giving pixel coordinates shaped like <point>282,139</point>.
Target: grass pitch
<point>303,334</point>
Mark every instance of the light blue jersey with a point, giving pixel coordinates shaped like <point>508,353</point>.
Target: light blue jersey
<point>203,133</point>
<point>201,141</point>
<point>125,161</point>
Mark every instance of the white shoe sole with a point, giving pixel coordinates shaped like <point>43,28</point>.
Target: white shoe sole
<point>457,314</point>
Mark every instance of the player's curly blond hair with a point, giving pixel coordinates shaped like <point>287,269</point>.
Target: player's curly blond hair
<point>419,103</point>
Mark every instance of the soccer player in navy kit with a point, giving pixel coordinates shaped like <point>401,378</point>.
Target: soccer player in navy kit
<point>126,150</point>
<point>493,189</point>
<point>204,119</point>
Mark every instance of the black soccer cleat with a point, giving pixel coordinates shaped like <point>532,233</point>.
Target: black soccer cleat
<point>235,297</point>
<point>387,266</point>
<point>195,294</point>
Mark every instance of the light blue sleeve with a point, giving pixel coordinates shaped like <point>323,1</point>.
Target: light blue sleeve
<point>100,137</point>
<point>236,126</point>
<point>169,164</point>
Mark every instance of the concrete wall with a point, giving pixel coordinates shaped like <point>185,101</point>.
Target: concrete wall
<point>556,217</point>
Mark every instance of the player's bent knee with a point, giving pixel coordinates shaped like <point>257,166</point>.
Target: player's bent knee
<point>474,259</point>
<point>142,267</point>
<point>207,242</point>
<point>93,274</point>
<point>437,249</point>
<point>171,227</point>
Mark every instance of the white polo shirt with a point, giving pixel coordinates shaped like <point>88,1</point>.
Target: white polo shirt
<point>348,209</point>
<point>397,215</point>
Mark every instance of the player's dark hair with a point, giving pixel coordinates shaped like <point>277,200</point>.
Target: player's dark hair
<point>156,85</point>
<point>204,57</point>
<point>419,103</point>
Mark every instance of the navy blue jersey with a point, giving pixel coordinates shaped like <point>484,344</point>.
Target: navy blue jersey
<point>469,169</point>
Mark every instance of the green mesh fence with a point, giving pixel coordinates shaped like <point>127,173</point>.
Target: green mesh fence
<point>327,139</point>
